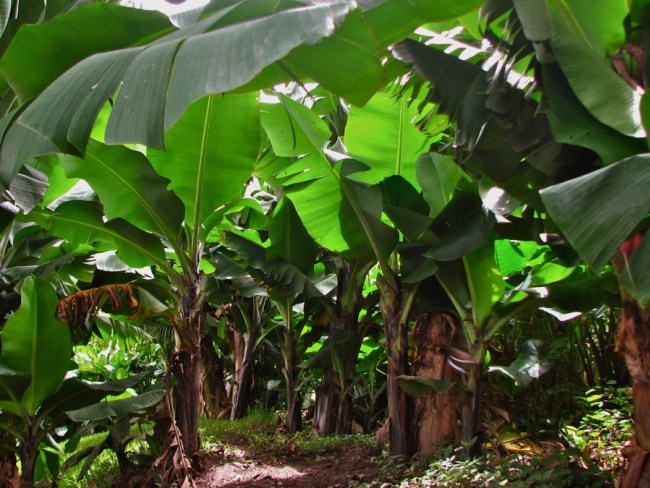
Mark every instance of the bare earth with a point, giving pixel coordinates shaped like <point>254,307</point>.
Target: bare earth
<point>348,468</point>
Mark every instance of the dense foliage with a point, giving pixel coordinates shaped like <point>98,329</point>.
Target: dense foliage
<point>423,214</point>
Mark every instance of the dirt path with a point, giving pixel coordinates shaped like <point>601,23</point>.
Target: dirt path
<point>345,468</point>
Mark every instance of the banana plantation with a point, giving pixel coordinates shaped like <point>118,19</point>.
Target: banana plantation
<point>415,226</point>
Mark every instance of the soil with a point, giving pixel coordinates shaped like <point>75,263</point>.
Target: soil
<point>350,467</point>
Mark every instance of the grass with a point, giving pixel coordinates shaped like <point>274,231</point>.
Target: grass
<point>260,433</point>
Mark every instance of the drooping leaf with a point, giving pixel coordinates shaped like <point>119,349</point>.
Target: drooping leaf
<point>289,239</point>
<point>458,86</point>
<point>227,58</point>
<point>75,394</point>
<point>611,100</point>
<point>36,343</point>
<point>462,227</point>
<point>40,53</point>
<point>597,211</point>
<point>534,359</point>
<point>116,409</point>
<point>572,123</point>
<point>81,222</point>
<point>129,188</point>
<point>438,177</point>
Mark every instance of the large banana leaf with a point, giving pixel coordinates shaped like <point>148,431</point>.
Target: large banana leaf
<point>40,53</point>
<point>159,75</point>
<point>438,177</point>
<point>210,153</point>
<point>382,134</point>
<point>36,343</point>
<point>289,239</point>
<point>341,215</point>
<point>129,188</point>
<point>82,223</point>
<point>114,409</point>
<point>596,85</point>
<point>597,211</point>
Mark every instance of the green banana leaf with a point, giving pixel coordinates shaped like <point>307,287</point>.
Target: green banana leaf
<point>81,222</point>
<point>382,134</point>
<point>210,154</point>
<point>129,188</point>
<point>36,343</point>
<point>115,409</point>
<point>321,190</point>
<point>597,211</point>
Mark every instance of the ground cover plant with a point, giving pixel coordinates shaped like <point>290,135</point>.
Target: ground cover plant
<point>421,221</point>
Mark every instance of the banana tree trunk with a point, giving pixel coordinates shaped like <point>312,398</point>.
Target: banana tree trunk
<point>294,423</point>
<point>344,415</point>
<point>633,342</point>
<point>214,388</point>
<point>437,415</point>
<point>186,368</point>
<point>28,457</point>
<point>399,403</point>
<point>327,400</point>
<point>471,412</point>
<point>238,349</point>
<point>246,371</point>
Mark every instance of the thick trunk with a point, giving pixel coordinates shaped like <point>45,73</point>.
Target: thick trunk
<point>240,401</point>
<point>633,341</point>
<point>399,403</point>
<point>28,457</point>
<point>238,346</point>
<point>186,367</point>
<point>294,423</point>
<point>214,387</point>
<point>327,396</point>
<point>437,415</point>
<point>471,412</point>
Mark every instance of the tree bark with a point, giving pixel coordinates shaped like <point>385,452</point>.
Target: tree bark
<point>28,457</point>
<point>9,476</point>
<point>240,401</point>
<point>633,342</point>
<point>186,368</point>
<point>399,403</point>
<point>327,396</point>
<point>238,348</point>
<point>437,415</point>
<point>214,387</point>
<point>294,420</point>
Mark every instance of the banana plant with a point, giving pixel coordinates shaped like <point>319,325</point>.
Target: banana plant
<point>286,283</point>
<point>158,210</point>
<point>35,392</point>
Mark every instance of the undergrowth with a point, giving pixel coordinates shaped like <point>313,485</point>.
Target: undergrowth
<point>260,433</point>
